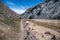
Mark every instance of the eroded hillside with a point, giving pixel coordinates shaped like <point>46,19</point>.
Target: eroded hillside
<point>8,16</point>
<point>9,23</point>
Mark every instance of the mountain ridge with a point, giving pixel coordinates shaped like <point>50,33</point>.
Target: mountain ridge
<point>46,10</point>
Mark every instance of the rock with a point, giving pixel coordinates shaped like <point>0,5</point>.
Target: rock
<point>50,9</point>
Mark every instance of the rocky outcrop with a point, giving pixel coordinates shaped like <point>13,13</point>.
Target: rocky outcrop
<point>50,9</point>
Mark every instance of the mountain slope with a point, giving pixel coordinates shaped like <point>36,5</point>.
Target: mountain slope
<point>6,11</point>
<point>9,23</point>
<point>50,9</point>
<point>8,16</point>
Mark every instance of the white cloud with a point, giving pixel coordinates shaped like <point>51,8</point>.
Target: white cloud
<point>19,11</point>
<point>10,3</point>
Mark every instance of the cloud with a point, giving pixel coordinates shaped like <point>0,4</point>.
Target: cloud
<point>10,3</point>
<point>19,10</point>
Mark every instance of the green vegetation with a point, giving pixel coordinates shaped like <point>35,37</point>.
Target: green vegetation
<point>9,21</point>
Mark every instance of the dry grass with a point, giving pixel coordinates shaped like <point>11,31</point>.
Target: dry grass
<point>47,24</point>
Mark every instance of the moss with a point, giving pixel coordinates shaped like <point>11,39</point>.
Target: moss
<point>17,25</point>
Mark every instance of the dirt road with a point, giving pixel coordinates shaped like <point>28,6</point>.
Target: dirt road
<point>40,32</point>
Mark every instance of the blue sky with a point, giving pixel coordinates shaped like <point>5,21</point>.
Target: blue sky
<point>19,6</point>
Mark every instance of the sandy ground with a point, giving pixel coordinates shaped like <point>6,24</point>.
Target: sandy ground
<point>7,32</point>
<point>41,29</point>
<point>38,31</point>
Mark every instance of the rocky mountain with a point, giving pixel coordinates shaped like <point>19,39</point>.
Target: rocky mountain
<point>50,9</point>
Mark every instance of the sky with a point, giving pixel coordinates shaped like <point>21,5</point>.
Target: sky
<point>20,6</point>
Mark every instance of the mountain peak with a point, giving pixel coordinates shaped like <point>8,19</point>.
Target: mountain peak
<point>52,0</point>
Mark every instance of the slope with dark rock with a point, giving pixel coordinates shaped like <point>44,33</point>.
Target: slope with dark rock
<point>50,9</point>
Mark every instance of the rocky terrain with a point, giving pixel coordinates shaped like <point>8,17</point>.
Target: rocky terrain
<point>33,30</point>
<point>50,9</point>
<point>41,22</point>
<point>36,22</point>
